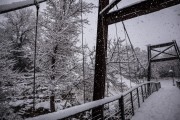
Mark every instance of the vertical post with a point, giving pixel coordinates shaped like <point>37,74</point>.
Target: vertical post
<point>132,103</point>
<point>149,88</point>
<point>145,90</point>
<point>35,52</point>
<point>121,107</point>
<point>156,84</point>
<point>173,75</point>
<point>177,49</point>
<point>100,60</point>
<point>159,85</point>
<point>149,68</point>
<point>149,63</point>
<point>138,97</point>
<point>142,93</point>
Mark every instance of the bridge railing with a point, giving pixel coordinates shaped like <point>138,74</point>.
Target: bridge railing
<point>178,84</point>
<point>121,107</point>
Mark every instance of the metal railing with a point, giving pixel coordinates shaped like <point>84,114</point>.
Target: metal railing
<point>178,84</point>
<point>120,107</point>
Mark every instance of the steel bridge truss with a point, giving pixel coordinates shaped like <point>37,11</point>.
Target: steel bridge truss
<point>158,58</point>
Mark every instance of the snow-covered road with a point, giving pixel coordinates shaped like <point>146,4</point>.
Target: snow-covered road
<point>161,105</point>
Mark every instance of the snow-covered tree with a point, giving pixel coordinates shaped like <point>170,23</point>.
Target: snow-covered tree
<point>18,32</point>
<point>61,26</point>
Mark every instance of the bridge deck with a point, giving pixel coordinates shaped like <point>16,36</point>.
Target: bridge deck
<point>162,105</point>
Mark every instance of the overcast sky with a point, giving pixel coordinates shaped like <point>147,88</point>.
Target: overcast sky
<point>162,26</point>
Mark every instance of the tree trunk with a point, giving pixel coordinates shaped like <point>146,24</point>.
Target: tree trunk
<point>52,97</point>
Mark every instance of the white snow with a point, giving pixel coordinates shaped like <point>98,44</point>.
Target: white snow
<point>161,105</point>
<point>20,102</point>
<point>17,103</point>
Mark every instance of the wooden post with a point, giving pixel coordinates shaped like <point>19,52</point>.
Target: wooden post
<point>138,97</point>
<point>121,107</point>
<point>100,59</point>
<point>132,103</point>
<point>142,93</point>
<point>149,63</point>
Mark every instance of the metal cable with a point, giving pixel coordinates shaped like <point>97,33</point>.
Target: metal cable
<point>35,51</point>
<point>82,37</point>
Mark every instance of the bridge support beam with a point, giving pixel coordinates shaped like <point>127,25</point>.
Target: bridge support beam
<point>149,63</point>
<point>100,60</point>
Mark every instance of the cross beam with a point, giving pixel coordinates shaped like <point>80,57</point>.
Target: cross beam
<point>138,9</point>
<point>165,59</point>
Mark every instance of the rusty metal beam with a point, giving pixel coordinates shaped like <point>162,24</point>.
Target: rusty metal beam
<point>142,8</point>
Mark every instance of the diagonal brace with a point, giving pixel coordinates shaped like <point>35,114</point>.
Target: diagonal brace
<point>109,7</point>
<point>165,53</point>
<point>162,52</point>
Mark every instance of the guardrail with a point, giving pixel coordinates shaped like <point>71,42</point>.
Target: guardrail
<point>121,107</point>
<point>178,84</point>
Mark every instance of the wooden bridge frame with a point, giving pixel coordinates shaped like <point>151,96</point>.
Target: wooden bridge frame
<point>106,18</point>
<point>154,58</point>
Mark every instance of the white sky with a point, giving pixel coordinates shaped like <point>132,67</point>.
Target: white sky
<point>162,26</point>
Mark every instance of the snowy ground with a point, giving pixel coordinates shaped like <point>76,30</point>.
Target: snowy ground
<point>162,105</point>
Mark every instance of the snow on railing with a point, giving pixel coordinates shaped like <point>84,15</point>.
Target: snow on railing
<point>122,106</point>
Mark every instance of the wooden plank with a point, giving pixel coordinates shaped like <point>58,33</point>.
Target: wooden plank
<point>142,8</point>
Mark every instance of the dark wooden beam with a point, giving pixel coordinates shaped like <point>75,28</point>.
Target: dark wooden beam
<point>142,8</point>
<point>149,65</point>
<point>161,45</point>
<point>100,61</point>
<point>164,59</point>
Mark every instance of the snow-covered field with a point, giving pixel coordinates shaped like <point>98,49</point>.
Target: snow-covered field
<point>161,105</point>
